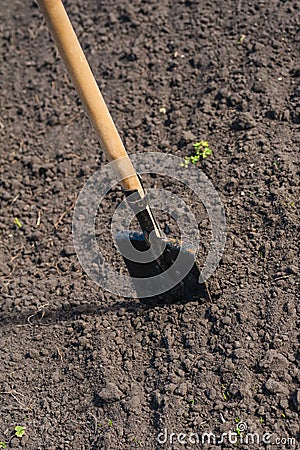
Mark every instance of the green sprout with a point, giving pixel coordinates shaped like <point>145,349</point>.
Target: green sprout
<point>225,394</point>
<point>19,431</point>
<point>17,222</point>
<point>110,422</point>
<point>202,150</point>
<point>283,415</point>
<point>241,39</point>
<point>261,420</point>
<point>192,402</point>
<point>3,444</point>
<point>238,431</point>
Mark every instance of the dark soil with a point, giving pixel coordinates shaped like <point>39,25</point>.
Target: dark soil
<point>81,368</point>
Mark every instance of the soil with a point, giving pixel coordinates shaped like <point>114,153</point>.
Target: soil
<point>82,368</point>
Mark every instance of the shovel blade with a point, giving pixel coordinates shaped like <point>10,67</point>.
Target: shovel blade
<point>153,282</point>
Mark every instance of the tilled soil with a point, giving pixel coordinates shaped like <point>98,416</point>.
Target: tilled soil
<point>82,368</point>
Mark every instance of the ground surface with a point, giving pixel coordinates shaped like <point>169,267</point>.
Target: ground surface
<point>81,368</point>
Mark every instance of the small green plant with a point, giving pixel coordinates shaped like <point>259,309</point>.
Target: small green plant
<point>225,393</point>
<point>238,431</point>
<point>241,39</point>
<point>19,431</point>
<point>3,444</point>
<point>17,222</point>
<point>192,402</point>
<point>261,420</point>
<point>202,150</point>
<point>110,423</point>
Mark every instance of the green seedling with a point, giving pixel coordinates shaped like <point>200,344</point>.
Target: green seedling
<point>283,415</point>
<point>238,431</point>
<point>110,423</point>
<point>3,444</point>
<point>136,441</point>
<point>17,222</point>
<point>225,394</point>
<point>202,151</point>
<point>241,39</point>
<point>192,402</point>
<point>19,431</point>
<point>261,420</point>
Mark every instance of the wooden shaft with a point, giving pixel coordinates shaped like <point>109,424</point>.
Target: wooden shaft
<point>71,52</point>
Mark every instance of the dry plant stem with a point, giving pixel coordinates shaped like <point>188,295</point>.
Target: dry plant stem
<point>64,214</point>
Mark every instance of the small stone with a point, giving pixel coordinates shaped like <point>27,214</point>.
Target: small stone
<point>240,353</point>
<point>78,375</point>
<point>33,354</point>
<point>274,361</point>
<point>243,122</point>
<point>274,387</point>
<point>226,320</point>
<point>4,269</point>
<point>188,136</point>
<point>181,390</point>
<point>134,404</point>
<point>112,18</point>
<point>110,393</point>
<point>15,442</point>
<point>211,393</point>
<point>56,376</point>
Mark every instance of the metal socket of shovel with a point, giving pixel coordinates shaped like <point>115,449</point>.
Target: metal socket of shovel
<point>157,255</point>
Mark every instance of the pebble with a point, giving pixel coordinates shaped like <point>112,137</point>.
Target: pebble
<point>15,442</point>
<point>243,122</point>
<point>110,393</point>
<point>274,387</point>
<point>274,361</point>
<point>189,136</point>
<point>33,353</point>
<point>181,390</point>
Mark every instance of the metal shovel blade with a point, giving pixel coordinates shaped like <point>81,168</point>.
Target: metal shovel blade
<point>168,278</point>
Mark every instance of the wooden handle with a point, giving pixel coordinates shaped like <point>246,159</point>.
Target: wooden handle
<point>70,50</point>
